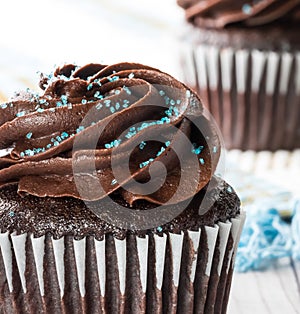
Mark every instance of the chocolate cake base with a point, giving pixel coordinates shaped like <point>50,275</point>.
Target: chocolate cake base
<point>184,267</point>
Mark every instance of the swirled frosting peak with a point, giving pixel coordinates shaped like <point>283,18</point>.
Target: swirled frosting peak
<point>249,13</point>
<point>123,127</point>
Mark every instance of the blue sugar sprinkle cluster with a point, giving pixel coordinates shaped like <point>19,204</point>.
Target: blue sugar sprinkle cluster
<point>20,114</point>
<point>142,145</point>
<point>55,141</point>
<point>98,95</point>
<point>197,150</point>
<point>113,144</point>
<point>172,111</point>
<point>147,162</point>
<point>79,129</point>
<point>127,90</point>
<point>229,190</point>
<point>89,87</point>
<point>246,8</point>
<point>113,78</point>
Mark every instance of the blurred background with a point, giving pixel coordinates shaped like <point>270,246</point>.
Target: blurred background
<point>36,35</point>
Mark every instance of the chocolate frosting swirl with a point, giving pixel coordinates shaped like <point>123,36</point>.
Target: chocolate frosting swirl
<point>98,114</point>
<point>223,13</point>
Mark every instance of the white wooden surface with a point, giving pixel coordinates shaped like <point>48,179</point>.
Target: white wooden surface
<point>273,291</point>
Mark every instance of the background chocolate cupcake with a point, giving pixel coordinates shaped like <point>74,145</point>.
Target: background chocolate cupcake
<point>243,59</point>
<point>108,199</point>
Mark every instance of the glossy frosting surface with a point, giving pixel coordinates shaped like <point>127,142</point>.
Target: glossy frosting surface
<point>88,117</point>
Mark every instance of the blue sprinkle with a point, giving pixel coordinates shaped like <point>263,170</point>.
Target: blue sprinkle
<point>48,146</point>
<point>142,145</point>
<point>90,86</point>
<point>113,182</point>
<point>178,101</point>
<point>229,190</point>
<point>165,120</point>
<point>97,94</point>
<point>83,101</point>
<point>117,106</point>
<point>79,129</point>
<point>167,100</point>
<point>113,79</point>
<point>198,150</point>
<point>3,106</point>
<point>162,93</point>
<point>20,114</point>
<point>29,135</point>
<point>11,214</point>
<point>99,106</point>
<point>144,164</point>
<point>160,152</point>
<point>56,143</point>
<point>58,138</point>
<point>168,112</point>
<point>59,104</point>
<point>167,143</point>
<point>112,109</point>
<point>131,75</point>
<point>116,143</point>
<point>42,101</point>
<point>107,146</point>
<point>29,152</point>
<point>188,93</point>
<point>64,135</point>
<point>201,161</point>
<point>22,155</point>
<point>215,149</point>
<point>159,229</point>
<point>125,103</point>
<point>172,102</point>
<point>127,90</point>
<point>117,92</point>
<point>64,99</point>
<point>247,9</point>
<point>40,110</point>
<point>107,102</point>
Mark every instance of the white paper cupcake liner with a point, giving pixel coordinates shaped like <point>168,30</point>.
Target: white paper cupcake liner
<point>188,272</point>
<point>253,95</point>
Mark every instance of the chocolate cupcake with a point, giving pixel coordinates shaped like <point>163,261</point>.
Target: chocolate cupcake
<point>108,198</point>
<point>243,59</point>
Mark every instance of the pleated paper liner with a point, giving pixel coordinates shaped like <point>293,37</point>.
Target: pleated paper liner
<point>188,272</point>
<point>253,95</point>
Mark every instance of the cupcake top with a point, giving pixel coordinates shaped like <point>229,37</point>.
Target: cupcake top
<point>243,24</point>
<point>245,13</point>
<point>108,125</point>
<point>99,139</point>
